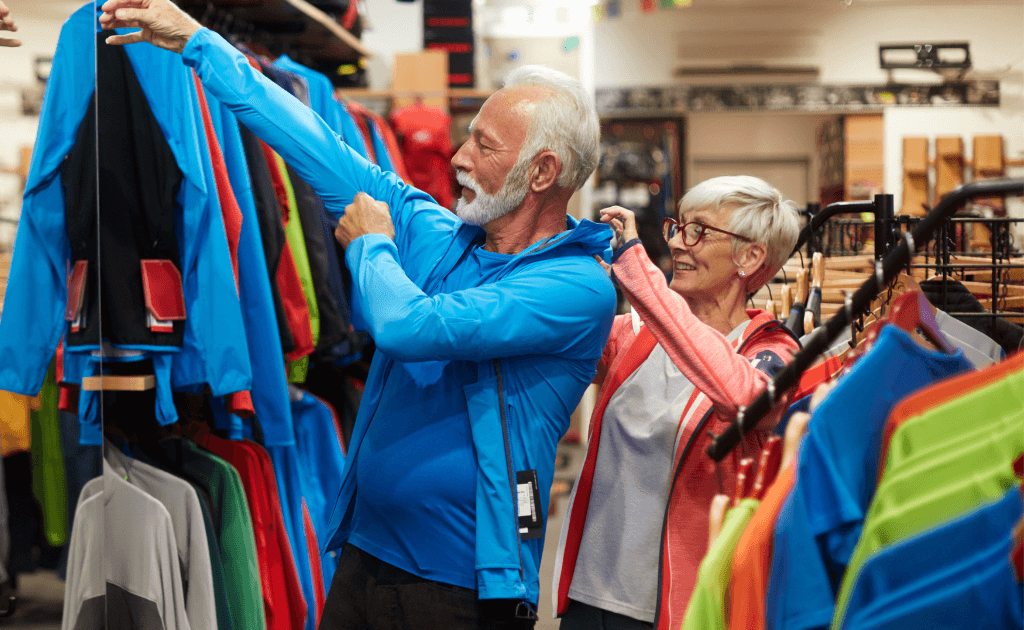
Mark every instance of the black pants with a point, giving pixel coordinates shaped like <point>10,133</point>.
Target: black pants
<point>582,616</point>
<point>369,593</point>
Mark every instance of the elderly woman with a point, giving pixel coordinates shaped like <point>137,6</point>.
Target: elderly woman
<point>637,524</point>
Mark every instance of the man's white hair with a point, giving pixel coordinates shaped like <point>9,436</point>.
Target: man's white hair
<point>565,122</point>
<point>760,212</point>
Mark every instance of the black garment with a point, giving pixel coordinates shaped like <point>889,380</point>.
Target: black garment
<point>959,300</point>
<point>336,386</point>
<point>582,616</point>
<point>268,215</point>
<point>139,180</point>
<point>24,519</point>
<point>368,593</point>
<point>333,331</point>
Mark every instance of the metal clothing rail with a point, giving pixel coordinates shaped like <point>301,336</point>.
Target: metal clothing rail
<point>896,260</point>
<point>881,208</point>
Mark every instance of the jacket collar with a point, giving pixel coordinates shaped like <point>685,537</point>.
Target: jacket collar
<point>595,238</point>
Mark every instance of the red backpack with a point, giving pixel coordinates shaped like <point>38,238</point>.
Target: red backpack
<point>425,141</point>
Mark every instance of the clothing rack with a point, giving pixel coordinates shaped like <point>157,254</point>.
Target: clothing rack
<point>881,208</point>
<point>947,259</point>
<point>886,270</point>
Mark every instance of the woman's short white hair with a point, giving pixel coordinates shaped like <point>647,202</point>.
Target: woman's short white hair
<point>566,123</point>
<point>760,212</point>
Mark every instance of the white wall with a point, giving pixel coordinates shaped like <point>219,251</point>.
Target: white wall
<point>17,71</point>
<point>642,49</point>
<point>740,135</point>
<point>395,27</point>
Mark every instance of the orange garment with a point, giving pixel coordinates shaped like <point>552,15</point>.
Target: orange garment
<point>15,435</point>
<point>816,375</point>
<point>356,111</point>
<point>752,562</point>
<point>941,393</point>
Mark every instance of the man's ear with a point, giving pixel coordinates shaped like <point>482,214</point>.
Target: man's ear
<point>544,171</point>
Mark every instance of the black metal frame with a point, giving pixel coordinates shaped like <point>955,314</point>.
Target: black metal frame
<point>881,208</point>
<point>894,261</point>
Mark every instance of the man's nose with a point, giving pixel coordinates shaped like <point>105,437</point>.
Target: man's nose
<point>459,160</point>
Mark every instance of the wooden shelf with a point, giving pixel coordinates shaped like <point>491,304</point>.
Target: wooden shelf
<point>453,93</point>
<point>297,24</point>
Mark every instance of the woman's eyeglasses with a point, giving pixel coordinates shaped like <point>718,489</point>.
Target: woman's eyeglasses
<point>692,231</point>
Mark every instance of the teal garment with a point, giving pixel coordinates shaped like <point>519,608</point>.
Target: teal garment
<point>225,620</point>
<point>706,610</point>
<point>48,478</point>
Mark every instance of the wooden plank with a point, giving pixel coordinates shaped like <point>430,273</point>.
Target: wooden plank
<point>109,382</point>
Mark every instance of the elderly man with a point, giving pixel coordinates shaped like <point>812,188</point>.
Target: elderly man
<point>489,326</point>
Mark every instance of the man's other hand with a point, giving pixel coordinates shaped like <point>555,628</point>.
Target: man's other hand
<point>7,24</point>
<point>161,23</point>
<point>364,216</point>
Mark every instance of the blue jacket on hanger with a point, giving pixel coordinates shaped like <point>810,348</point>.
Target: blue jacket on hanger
<point>214,349</point>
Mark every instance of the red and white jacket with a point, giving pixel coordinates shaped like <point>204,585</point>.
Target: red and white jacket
<point>725,377</point>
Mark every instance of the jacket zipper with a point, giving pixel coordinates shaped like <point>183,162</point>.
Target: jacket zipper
<point>508,462</point>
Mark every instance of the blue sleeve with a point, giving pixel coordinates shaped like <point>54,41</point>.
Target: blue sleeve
<point>335,172</point>
<point>799,595</point>
<point>33,315</point>
<point>551,309</point>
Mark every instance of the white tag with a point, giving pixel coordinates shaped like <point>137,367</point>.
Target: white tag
<point>525,500</point>
<point>635,319</point>
<point>158,326</point>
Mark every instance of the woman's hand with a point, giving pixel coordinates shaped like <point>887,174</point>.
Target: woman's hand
<point>7,24</point>
<point>364,216</point>
<point>623,222</point>
<point>161,22</point>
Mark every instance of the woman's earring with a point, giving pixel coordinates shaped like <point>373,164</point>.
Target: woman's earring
<point>743,273</point>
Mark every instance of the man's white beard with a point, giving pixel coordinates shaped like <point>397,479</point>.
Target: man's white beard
<point>485,208</point>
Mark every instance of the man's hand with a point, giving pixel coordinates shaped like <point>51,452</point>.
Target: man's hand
<point>7,24</point>
<point>161,22</point>
<point>364,216</point>
<point>623,222</point>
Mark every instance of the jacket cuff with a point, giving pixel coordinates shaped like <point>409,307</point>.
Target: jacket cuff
<point>191,53</point>
<point>365,245</point>
<point>500,583</point>
<point>618,252</point>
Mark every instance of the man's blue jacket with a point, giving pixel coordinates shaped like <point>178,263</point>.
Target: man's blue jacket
<point>535,334</point>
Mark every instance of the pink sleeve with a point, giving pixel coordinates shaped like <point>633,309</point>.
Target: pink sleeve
<point>700,352</point>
